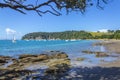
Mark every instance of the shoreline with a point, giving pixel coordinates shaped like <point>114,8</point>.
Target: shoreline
<point>57,65</point>
<point>112,46</point>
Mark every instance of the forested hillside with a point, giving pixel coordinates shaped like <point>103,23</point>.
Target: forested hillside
<point>73,35</point>
<point>58,35</point>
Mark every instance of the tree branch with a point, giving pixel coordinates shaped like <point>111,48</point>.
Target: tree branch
<point>69,5</point>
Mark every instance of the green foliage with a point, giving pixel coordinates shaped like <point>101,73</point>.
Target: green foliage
<point>117,34</point>
<point>58,35</point>
<point>111,34</point>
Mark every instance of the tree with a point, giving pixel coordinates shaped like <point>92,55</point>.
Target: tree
<point>117,34</point>
<point>53,6</point>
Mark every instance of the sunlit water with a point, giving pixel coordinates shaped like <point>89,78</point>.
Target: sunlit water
<point>72,48</point>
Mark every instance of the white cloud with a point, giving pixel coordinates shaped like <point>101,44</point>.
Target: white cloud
<point>10,31</point>
<point>103,30</point>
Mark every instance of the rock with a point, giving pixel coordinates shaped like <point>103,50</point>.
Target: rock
<point>97,53</point>
<point>8,74</point>
<point>58,55</point>
<point>57,69</point>
<point>54,62</point>
<point>2,61</point>
<point>5,58</point>
<point>33,58</point>
<point>98,44</point>
<point>43,56</point>
<point>87,51</point>
<point>80,59</point>
<point>101,54</point>
<point>26,56</point>
<point>51,59</point>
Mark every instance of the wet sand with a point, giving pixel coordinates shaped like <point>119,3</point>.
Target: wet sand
<point>113,46</point>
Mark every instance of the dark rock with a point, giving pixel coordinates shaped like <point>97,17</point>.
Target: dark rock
<point>7,74</point>
<point>2,61</point>
<point>101,54</point>
<point>57,62</point>
<point>80,59</point>
<point>26,56</point>
<point>97,53</point>
<point>59,55</point>
<point>57,69</point>
<point>87,51</point>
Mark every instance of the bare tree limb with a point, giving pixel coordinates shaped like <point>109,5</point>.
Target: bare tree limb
<point>69,5</point>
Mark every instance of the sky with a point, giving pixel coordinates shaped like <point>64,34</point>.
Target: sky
<point>94,19</point>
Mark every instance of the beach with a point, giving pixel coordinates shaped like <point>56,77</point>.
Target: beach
<point>93,64</point>
<point>113,47</point>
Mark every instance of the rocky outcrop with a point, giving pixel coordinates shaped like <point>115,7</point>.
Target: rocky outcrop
<point>59,55</point>
<point>80,59</point>
<point>97,53</point>
<point>57,70</point>
<point>4,59</point>
<point>11,74</point>
<point>101,54</point>
<point>55,61</point>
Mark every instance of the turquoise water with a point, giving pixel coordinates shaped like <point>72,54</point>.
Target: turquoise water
<point>7,47</point>
<point>72,48</point>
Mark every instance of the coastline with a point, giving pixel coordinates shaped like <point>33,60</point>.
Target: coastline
<point>57,65</point>
<point>112,47</point>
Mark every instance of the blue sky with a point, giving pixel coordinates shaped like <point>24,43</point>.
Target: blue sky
<point>93,20</point>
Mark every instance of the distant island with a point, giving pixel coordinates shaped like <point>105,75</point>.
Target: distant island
<point>68,35</point>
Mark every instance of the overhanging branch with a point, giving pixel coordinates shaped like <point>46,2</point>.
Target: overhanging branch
<point>69,5</point>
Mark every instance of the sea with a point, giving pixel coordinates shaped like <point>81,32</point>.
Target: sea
<point>73,48</point>
<point>9,48</point>
<point>79,70</point>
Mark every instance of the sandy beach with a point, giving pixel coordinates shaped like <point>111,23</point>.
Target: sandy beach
<point>113,47</point>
